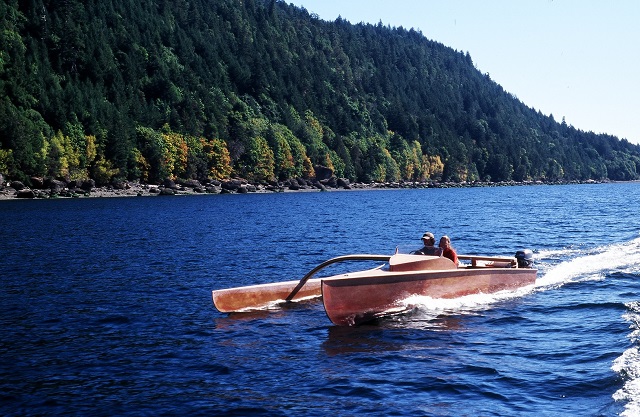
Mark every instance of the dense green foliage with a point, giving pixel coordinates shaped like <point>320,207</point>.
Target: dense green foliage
<point>263,90</point>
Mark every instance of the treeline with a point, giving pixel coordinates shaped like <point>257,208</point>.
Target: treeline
<point>147,90</point>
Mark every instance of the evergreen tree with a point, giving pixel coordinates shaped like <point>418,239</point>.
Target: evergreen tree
<point>265,90</point>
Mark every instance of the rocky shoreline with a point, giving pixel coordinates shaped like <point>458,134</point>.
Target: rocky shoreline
<point>45,188</point>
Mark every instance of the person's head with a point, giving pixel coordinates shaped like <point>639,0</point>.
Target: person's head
<point>428,239</point>
<point>445,242</point>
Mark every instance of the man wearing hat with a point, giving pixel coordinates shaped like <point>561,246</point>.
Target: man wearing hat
<point>429,249</point>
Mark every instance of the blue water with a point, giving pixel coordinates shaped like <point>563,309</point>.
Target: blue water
<point>106,310</point>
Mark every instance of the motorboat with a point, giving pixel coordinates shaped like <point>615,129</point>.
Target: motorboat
<point>358,297</point>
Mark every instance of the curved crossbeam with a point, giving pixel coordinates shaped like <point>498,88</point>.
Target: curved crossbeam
<point>331,262</point>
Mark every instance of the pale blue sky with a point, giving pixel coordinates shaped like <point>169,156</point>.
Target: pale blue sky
<point>578,59</point>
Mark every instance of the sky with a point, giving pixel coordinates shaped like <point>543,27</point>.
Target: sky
<point>577,59</point>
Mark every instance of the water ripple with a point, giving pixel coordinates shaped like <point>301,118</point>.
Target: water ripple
<point>110,313</point>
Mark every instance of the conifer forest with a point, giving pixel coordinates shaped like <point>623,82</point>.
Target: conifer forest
<point>265,91</point>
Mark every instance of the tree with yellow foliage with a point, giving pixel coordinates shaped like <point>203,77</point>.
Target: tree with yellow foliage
<point>217,157</point>
<point>175,151</point>
<point>432,167</point>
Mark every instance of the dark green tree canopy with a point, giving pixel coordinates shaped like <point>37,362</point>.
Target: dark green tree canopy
<point>262,89</point>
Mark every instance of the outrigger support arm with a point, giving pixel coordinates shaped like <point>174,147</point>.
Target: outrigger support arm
<point>333,261</point>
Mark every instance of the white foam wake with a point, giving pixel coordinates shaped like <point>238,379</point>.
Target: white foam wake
<point>596,264</point>
<point>468,304</point>
<point>592,264</point>
<point>628,365</point>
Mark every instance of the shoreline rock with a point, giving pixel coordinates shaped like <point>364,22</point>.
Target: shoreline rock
<point>52,188</point>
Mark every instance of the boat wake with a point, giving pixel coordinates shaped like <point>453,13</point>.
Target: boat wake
<point>431,308</point>
<point>598,264</point>
<point>628,365</point>
<point>586,265</point>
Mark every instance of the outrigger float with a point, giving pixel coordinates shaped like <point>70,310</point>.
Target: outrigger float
<point>357,297</point>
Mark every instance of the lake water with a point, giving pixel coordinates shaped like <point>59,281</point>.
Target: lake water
<point>106,306</point>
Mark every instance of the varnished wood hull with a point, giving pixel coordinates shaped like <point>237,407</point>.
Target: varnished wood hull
<point>246,298</point>
<point>357,297</point>
<point>352,299</point>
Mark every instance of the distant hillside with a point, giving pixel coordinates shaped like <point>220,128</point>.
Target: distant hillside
<point>148,90</point>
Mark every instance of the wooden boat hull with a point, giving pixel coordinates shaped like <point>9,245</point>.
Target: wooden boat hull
<point>357,297</point>
<point>352,299</point>
<point>246,298</point>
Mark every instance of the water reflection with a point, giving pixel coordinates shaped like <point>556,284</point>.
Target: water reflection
<point>277,312</point>
<point>366,338</point>
<point>391,334</point>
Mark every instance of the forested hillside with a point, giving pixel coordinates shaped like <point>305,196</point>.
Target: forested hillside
<point>262,90</point>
